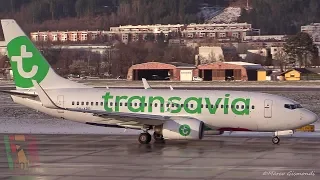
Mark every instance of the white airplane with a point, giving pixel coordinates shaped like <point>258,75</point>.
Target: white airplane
<point>178,114</point>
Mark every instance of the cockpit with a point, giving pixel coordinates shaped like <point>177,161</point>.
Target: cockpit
<point>293,106</point>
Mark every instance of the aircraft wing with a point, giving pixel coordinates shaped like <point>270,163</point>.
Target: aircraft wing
<point>148,119</point>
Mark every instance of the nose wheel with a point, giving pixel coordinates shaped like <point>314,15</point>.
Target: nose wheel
<point>144,138</point>
<point>275,140</point>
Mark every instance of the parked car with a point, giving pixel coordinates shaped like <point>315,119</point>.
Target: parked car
<point>196,78</point>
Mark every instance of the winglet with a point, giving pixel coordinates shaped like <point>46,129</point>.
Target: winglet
<point>145,84</point>
<point>43,96</point>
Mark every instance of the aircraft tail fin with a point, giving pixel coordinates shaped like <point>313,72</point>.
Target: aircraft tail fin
<point>28,63</point>
<point>145,84</point>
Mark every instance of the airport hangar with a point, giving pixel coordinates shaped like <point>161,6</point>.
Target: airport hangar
<point>176,71</point>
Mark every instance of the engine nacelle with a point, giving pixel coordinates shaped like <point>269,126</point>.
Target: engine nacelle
<point>183,129</point>
<point>213,132</point>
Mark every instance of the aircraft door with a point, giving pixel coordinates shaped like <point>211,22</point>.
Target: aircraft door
<point>60,103</point>
<point>268,108</point>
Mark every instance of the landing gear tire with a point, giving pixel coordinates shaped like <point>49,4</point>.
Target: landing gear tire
<point>144,138</point>
<point>158,137</point>
<point>275,140</point>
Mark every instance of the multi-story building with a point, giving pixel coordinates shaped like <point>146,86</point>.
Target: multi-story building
<point>220,31</point>
<point>133,33</point>
<point>313,30</point>
<point>63,36</point>
<point>268,38</point>
<point>3,48</point>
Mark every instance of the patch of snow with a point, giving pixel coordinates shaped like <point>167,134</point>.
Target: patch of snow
<point>209,12</point>
<point>228,15</point>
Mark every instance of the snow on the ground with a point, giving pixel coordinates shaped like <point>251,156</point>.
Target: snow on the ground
<point>209,12</point>
<point>229,15</point>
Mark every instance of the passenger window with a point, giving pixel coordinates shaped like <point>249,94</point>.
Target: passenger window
<point>172,105</point>
<point>120,104</point>
<point>221,106</point>
<point>217,106</point>
<point>191,105</point>
<point>101,103</point>
<point>168,105</point>
<point>237,106</point>
<point>111,103</point>
<point>145,104</point>
<point>227,106</point>
<point>181,105</point>
<point>125,104</point>
<point>242,106</point>
<point>91,103</point>
<point>232,106</point>
<point>252,107</point>
<point>72,102</point>
<point>135,104</point>
<point>207,106</point>
<point>78,103</point>
<point>82,103</point>
<point>87,103</point>
<point>97,104</point>
<point>115,104</point>
<point>161,105</point>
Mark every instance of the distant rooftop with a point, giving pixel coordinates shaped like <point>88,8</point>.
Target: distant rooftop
<point>181,64</point>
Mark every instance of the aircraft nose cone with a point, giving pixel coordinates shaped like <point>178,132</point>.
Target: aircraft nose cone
<point>310,117</point>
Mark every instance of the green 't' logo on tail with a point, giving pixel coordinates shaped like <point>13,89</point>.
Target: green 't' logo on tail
<point>26,62</point>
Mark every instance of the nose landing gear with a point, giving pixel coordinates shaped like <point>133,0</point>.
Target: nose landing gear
<point>275,140</point>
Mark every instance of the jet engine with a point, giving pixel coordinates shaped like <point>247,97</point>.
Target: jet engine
<point>181,129</point>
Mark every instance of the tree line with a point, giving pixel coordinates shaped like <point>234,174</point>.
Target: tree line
<point>281,17</point>
<point>101,14</point>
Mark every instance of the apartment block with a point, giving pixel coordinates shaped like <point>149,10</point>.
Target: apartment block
<point>133,33</point>
<point>63,36</point>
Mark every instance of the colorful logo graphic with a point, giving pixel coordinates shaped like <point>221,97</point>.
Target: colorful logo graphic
<point>21,151</point>
<point>26,61</point>
<point>184,130</point>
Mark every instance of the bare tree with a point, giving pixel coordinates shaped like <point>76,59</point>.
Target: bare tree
<point>282,59</point>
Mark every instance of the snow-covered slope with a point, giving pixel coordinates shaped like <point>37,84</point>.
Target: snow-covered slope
<point>228,15</point>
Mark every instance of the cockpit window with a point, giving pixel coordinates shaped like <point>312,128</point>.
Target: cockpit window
<point>292,106</point>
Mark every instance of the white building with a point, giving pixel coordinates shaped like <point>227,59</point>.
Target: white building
<point>3,48</point>
<point>313,30</point>
<point>265,38</point>
<point>209,54</point>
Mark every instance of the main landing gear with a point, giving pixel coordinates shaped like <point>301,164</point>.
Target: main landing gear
<point>145,137</point>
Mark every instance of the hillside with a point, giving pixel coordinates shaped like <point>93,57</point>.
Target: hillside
<point>281,17</point>
<point>101,14</point>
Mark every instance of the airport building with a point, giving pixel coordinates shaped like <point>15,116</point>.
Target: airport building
<point>174,71</point>
<point>218,71</point>
<point>238,71</point>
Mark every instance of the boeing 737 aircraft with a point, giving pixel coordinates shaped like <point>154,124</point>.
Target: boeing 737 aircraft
<point>177,114</point>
